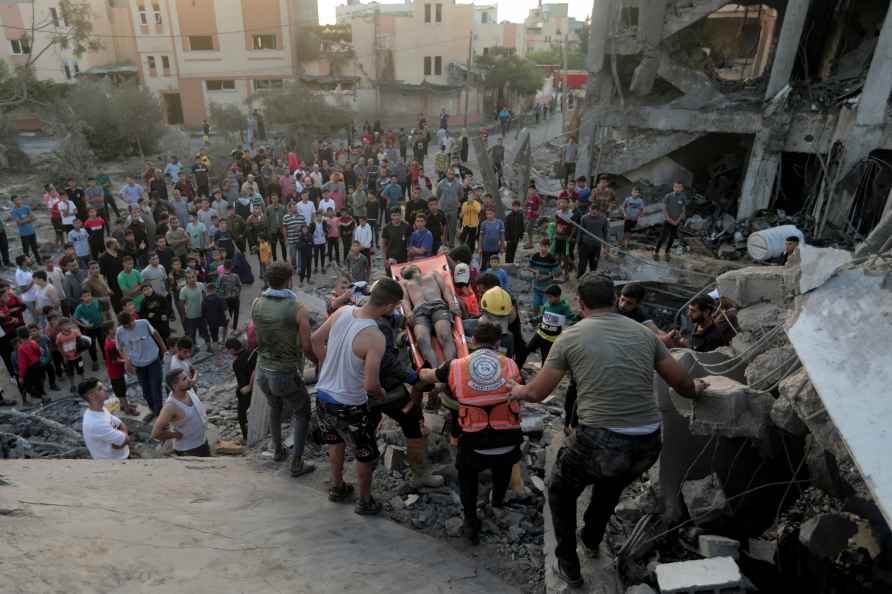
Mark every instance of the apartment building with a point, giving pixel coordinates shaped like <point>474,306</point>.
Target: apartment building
<point>30,25</point>
<point>193,53</point>
<point>546,26</point>
<point>490,33</point>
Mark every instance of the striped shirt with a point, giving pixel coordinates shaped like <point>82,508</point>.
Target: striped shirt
<point>292,224</point>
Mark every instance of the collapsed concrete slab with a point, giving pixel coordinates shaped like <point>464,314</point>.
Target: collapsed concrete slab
<point>755,284</point>
<point>727,408</point>
<point>702,575</point>
<point>817,265</point>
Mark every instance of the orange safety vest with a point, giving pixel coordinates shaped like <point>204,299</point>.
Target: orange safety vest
<point>480,384</point>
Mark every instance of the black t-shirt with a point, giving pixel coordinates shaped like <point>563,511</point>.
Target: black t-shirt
<point>436,223</point>
<point>243,366</point>
<point>633,315</point>
<point>397,237</point>
<point>708,340</point>
<point>201,175</point>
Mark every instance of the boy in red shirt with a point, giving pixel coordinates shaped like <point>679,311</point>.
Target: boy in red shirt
<point>95,226</point>
<point>66,340</point>
<point>27,356</point>
<point>114,365</point>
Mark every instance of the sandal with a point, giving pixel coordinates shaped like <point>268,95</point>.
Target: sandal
<point>340,492</point>
<point>369,507</point>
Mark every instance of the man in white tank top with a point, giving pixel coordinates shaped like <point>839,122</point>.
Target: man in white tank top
<point>349,347</point>
<point>186,413</point>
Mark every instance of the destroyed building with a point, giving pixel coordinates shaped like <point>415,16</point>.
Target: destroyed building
<point>778,104</point>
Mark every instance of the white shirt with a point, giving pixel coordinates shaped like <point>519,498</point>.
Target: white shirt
<point>327,203</point>
<point>316,176</point>
<point>100,432</point>
<point>177,363</point>
<point>307,210</point>
<point>68,212</point>
<point>363,234</point>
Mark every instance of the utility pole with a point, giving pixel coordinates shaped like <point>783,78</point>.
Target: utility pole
<point>468,74</point>
<point>564,82</point>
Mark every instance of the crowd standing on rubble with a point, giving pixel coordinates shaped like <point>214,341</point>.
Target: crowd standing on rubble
<point>183,249</point>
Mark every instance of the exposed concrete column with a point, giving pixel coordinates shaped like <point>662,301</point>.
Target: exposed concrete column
<point>878,86</point>
<point>787,46</point>
<point>603,14</point>
<point>761,174</point>
<point>651,16</point>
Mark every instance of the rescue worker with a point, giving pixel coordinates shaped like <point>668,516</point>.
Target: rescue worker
<point>490,425</point>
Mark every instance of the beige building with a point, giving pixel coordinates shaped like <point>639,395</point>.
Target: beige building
<point>546,26</point>
<point>30,25</point>
<point>197,52</point>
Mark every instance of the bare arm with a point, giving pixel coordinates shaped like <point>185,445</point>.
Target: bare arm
<point>306,339</point>
<point>374,351</point>
<point>159,341</point>
<point>677,377</point>
<point>447,292</point>
<point>542,385</point>
<point>160,429</point>
<point>319,338</point>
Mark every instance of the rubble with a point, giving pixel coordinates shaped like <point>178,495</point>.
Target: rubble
<point>727,408</point>
<point>827,535</point>
<point>759,317</point>
<point>755,284</point>
<point>704,575</point>
<point>768,368</point>
<point>712,545</point>
<point>705,499</point>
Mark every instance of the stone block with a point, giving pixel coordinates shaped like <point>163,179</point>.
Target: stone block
<point>805,401</point>
<point>817,265</point>
<point>702,575</point>
<point>754,284</point>
<point>454,526</point>
<point>742,342</point>
<point>394,458</point>
<point>823,470</point>
<point>763,550</point>
<point>759,317</point>
<point>712,545</point>
<point>784,416</point>
<point>726,408</point>
<point>705,499</point>
<point>640,589</point>
<point>769,367</point>
<point>827,535</point>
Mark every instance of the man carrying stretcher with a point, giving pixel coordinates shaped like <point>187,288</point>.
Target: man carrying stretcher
<point>429,304</point>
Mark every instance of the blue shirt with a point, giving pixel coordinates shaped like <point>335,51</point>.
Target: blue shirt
<point>422,238</point>
<point>491,233</point>
<point>132,193</point>
<point>503,278</point>
<point>393,192</point>
<point>20,216</point>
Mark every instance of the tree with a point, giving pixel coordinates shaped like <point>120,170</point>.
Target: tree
<point>73,29</point>
<point>507,73</point>
<point>228,118</point>
<point>306,116</point>
<point>554,57</point>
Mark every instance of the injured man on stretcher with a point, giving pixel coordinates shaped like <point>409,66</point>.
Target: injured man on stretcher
<point>429,304</point>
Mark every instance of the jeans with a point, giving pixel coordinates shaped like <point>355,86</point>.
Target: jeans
<point>668,234</point>
<point>232,307</point>
<point>531,227</point>
<point>609,462</point>
<point>244,403</point>
<point>318,256</point>
<point>279,387</point>
<point>469,238</point>
<point>29,245</point>
<point>305,262</point>
<point>150,381</point>
<point>293,250</point>
<point>588,258</point>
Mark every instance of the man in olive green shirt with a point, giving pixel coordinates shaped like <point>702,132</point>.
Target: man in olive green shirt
<point>612,358</point>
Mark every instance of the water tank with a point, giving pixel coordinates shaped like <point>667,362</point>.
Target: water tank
<point>769,243</point>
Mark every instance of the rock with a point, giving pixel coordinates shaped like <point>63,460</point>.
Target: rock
<point>866,539</point>
<point>824,471</point>
<point>229,448</point>
<point>702,575</point>
<point>784,416</point>
<point>453,527</point>
<point>759,317</point>
<point>742,342</point>
<point>411,499</point>
<point>397,503</point>
<point>711,545</point>
<point>434,422</point>
<point>538,483</point>
<point>705,499</point>
<point>817,265</point>
<point>628,511</point>
<point>394,458</point>
<point>770,367</point>
<point>799,391</point>
<point>763,550</point>
<point>515,533</point>
<point>827,535</point>
<point>754,284</point>
<point>726,408</point>
<point>640,589</point>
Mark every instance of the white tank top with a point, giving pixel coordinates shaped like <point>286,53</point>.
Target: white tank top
<point>341,376</point>
<point>193,426</point>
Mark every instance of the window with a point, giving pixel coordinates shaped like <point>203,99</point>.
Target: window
<point>20,46</point>
<point>267,84</point>
<point>165,64</point>
<point>54,15</point>
<point>201,43</point>
<point>153,71</point>
<point>265,41</point>
<point>438,65</point>
<point>427,13</point>
<point>439,18</point>
<point>484,18</point>
<point>427,65</point>
<point>220,85</point>
<point>143,15</point>
<point>156,8</point>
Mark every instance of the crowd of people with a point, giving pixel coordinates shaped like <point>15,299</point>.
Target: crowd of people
<point>183,248</point>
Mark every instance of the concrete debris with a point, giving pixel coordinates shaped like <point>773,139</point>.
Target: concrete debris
<point>454,527</point>
<point>538,483</point>
<point>763,550</point>
<point>532,425</point>
<point>827,535</point>
<point>824,471</point>
<point>411,500</point>
<point>742,342</point>
<point>752,285</point>
<point>726,408</point>
<point>640,589</point>
<point>711,545</point>
<point>865,539</point>
<point>229,448</point>
<point>705,499</point>
<point>759,317</point>
<point>817,265</point>
<point>395,458</point>
<point>802,396</point>
<point>768,368</point>
<point>703,575</point>
<point>783,414</point>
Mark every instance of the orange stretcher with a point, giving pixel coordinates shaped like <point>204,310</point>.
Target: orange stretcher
<point>441,265</point>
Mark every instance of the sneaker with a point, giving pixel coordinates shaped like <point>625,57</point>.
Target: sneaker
<point>340,493</point>
<point>573,579</point>
<point>280,455</point>
<point>369,507</point>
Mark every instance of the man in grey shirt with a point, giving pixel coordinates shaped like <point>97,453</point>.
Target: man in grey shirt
<point>674,209</point>
<point>141,346</point>
<point>448,193</point>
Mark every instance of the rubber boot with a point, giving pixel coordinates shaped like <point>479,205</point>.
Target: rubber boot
<point>416,456</point>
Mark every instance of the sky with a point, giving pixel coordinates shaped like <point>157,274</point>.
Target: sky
<point>509,10</point>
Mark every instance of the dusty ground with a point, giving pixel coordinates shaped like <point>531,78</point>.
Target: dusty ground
<point>198,525</point>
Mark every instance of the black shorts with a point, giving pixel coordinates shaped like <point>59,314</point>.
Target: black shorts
<point>354,425</point>
<point>119,387</point>
<point>432,312</point>
<point>629,225</point>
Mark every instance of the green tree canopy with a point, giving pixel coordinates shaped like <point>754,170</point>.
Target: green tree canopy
<point>553,57</point>
<point>305,116</point>
<point>511,73</point>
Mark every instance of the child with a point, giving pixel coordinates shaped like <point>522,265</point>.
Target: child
<point>332,236</point>
<point>341,294</point>
<point>546,269</point>
<point>243,364</point>
<point>562,232</point>
<point>129,306</point>
<point>213,309</point>
<point>319,242</point>
<point>27,356</point>
<point>67,340</point>
<point>513,231</point>
<point>346,224</point>
<point>264,254</point>
<point>51,330</point>
<point>495,268</point>
<point>357,263</point>
<point>466,297</point>
<point>46,358</point>
<point>88,317</point>
<point>114,366</point>
<point>555,315</point>
<point>95,226</point>
<point>230,286</point>
<point>632,207</point>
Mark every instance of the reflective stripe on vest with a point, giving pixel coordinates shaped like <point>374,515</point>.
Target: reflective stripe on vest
<point>480,384</point>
